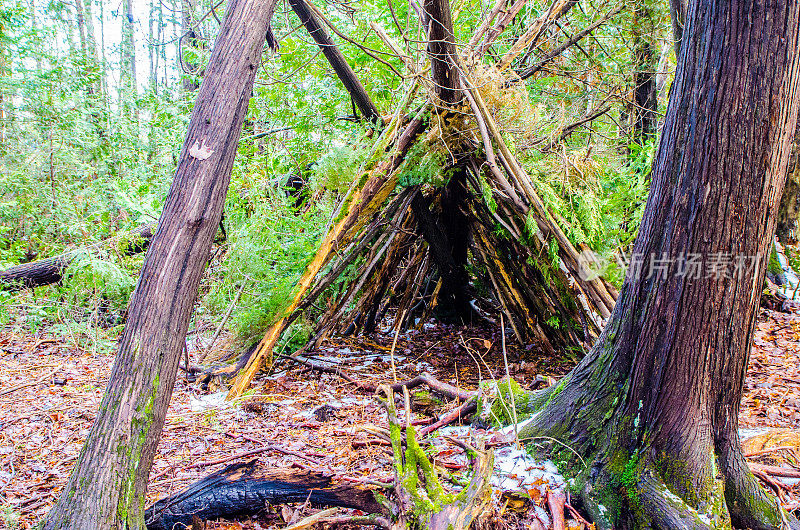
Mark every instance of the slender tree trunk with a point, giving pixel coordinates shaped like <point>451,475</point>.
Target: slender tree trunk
<point>337,60</point>
<point>91,67</point>
<point>188,38</point>
<point>103,78</point>
<point>3,69</point>
<point>652,410</point>
<point>789,210</point>
<point>128,91</point>
<point>677,12</point>
<point>645,98</point>
<point>152,53</point>
<point>107,485</point>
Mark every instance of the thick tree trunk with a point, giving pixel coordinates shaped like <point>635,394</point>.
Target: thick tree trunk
<point>446,253</point>
<point>653,409</point>
<point>107,486</point>
<point>337,60</point>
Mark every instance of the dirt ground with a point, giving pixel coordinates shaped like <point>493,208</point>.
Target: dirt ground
<point>50,391</point>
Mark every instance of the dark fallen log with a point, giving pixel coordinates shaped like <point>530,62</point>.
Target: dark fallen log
<point>50,270</point>
<point>245,489</point>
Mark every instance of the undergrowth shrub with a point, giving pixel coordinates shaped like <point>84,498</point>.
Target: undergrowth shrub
<point>268,252</point>
<point>337,168</point>
<point>92,278</point>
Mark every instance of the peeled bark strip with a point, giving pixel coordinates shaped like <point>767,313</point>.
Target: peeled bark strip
<point>336,60</point>
<point>51,270</point>
<point>107,486</point>
<point>652,410</point>
<point>245,489</point>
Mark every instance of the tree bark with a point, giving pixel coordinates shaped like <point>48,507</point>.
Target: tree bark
<point>107,485</point>
<point>447,255</point>
<point>244,489</point>
<point>652,410</point>
<point>337,60</point>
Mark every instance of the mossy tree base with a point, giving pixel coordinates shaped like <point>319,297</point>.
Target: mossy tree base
<point>647,424</point>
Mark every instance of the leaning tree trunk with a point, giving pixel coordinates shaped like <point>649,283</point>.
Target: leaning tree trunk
<point>337,60</point>
<point>652,410</point>
<point>107,486</point>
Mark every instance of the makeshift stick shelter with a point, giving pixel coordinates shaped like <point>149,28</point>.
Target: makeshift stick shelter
<point>414,242</point>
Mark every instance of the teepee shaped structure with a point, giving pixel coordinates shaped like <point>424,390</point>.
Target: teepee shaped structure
<point>414,242</point>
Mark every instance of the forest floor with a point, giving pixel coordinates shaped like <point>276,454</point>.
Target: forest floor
<point>50,391</point>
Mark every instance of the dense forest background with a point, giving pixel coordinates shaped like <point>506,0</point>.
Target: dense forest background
<point>95,103</point>
<point>450,194</point>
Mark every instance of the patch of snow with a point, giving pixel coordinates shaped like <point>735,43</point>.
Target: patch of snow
<point>509,430</point>
<point>331,360</point>
<point>209,402</point>
<point>515,470</point>
<point>745,433</point>
<point>787,480</point>
<point>354,401</point>
<point>455,430</point>
<point>542,515</point>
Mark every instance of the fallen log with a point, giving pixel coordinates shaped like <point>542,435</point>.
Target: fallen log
<point>245,489</point>
<point>50,270</point>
